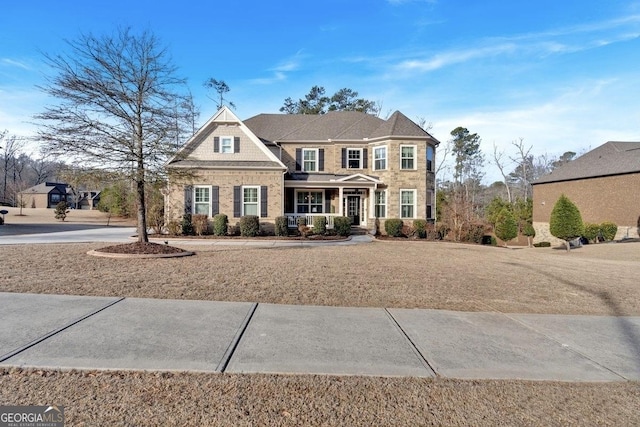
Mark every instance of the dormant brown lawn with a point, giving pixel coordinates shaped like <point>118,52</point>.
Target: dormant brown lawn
<point>597,279</point>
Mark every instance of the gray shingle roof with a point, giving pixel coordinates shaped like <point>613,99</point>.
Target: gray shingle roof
<point>335,125</point>
<point>611,158</point>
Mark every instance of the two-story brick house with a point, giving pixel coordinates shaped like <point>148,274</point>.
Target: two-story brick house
<point>336,164</point>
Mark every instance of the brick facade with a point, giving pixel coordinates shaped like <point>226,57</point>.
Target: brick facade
<point>611,198</point>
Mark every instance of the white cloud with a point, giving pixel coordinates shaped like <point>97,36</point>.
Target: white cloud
<point>14,63</point>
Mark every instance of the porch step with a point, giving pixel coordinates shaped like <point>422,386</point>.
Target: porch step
<point>358,231</point>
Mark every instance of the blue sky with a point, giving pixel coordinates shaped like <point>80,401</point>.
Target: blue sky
<point>563,75</point>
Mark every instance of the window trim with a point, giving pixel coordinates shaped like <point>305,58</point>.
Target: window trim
<point>257,202</point>
<point>376,204</point>
<point>413,205</point>
<point>360,159</point>
<point>208,203</point>
<point>386,157</point>
<point>316,160</point>
<point>415,151</point>
<point>222,144</point>
<point>321,204</point>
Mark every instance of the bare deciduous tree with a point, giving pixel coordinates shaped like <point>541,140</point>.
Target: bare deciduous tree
<point>119,107</point>
<point>498,160</point>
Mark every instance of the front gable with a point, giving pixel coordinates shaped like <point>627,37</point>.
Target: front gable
<point>224,138</point>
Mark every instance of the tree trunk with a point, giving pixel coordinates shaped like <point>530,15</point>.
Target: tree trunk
<point>143,237</point>
<point>568,245</point>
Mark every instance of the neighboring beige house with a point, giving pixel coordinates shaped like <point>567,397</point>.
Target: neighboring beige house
<point>46,195</point>
<point>335,164</point>
<point>603,183</point>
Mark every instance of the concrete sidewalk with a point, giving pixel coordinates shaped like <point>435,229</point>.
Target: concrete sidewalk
<point>68,332</point>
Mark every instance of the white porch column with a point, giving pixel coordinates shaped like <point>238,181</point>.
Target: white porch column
<point>341,197</point>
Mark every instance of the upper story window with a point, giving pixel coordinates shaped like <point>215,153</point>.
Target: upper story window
<point>430,153</point>
<point>226,144</point>
<point>309,160</point>
<point>354,158</point>
<point>380,158</point>
<point>407,157</point>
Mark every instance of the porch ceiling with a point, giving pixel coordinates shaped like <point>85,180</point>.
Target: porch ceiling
<point>331,181</point>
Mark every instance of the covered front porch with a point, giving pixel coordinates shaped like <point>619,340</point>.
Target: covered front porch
<point>313,195</point>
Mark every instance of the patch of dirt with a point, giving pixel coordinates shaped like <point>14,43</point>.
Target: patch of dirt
<point>139,248</point>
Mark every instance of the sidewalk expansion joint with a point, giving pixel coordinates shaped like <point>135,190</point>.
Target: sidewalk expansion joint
<point>226,358</point>
<point>549,337</point>
<point>413,345</point>
<point>57,331</point>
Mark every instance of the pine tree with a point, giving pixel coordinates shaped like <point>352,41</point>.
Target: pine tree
<point>566,222</point>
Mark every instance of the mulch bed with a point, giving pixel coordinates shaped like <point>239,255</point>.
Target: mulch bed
<point>146,248</point>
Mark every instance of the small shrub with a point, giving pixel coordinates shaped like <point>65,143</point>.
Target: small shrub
<point>342,225</point>
<point>494,242</point>
<point>174,228</point>
<point>62,209</point>
<point>393,227</point>
<point>472,233</point>
<point>591,232</point>
<point>220,225</point>
<point>282,226</point>
<point>187,226</point>
<point>200,224</point>
<point>542,245</point>
<point>155,217</point>
<point>301,221</point>
<point>442,230</point>
<point>506,226</point>
<point>608,230</point>
<point>249,226</point>
<point>320,225</point>
<point>565,222</point>
<point>420,227</point>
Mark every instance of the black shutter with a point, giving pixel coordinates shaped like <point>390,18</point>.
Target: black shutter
<point>327,201</point>
<point>321,159</point>
<point>216,144</point>
<point>344,158</point>
<point>188,199</point>
<point>237,201</point>
<point>365,158</point>
<point>298,159</point>
<point>215,200</point>
<point>264,203</point>
<point>236,144</point>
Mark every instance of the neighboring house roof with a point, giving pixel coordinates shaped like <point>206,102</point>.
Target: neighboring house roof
<point>611,158</point>
<point>47,187</point>
<point>335,125</point>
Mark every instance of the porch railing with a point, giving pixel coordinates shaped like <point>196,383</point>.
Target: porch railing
<point>292,219</point>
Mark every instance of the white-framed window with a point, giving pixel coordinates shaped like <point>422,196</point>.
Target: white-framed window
<point>226,144</point>
<point>309,201</point>
<point>381,204</point>
<point>354,158</point>
<point>407,157</point>
<point>407,203</point>
<point>251,200</point>
<point>310,160</point>
<point>202,200</point>
<point>380,158</point>
<point>430,153</point>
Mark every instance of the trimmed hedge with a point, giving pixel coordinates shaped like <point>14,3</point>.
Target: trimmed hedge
<point>320,225</point>
<point>591,231</point>
<point>420,227</point>
<point>220,225</point>
<point>187,227</point>
<point>342,225</point>
<point>393,227</point>
<point>542,245</point>
<point>608,230</point>
<point>249,226</point>
<point>282,226</point>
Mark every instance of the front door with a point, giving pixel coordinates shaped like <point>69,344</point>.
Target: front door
<point>353,209</point>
